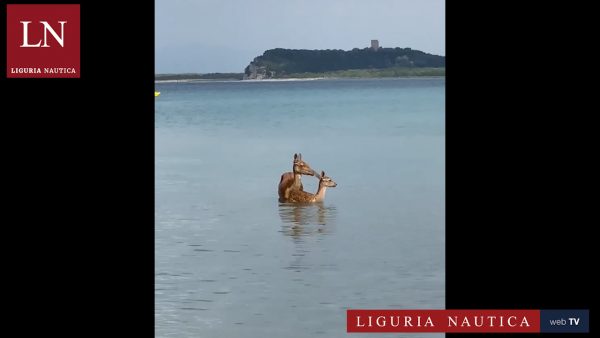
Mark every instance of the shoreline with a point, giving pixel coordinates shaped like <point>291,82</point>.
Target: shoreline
<point>295,79</point>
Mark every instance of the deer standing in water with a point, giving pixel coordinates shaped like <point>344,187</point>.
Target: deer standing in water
<point>291,181</point>
<point>300,196</point>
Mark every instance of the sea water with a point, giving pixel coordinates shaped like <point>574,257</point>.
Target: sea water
<point>231,261</point>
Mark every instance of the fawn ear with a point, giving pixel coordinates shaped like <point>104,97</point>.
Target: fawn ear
<point>295,157</point>
<point>300,156</point>
<point>322,173</point>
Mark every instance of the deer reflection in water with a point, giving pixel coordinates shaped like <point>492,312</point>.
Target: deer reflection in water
<point>303,219</point>
<point>303,223</point>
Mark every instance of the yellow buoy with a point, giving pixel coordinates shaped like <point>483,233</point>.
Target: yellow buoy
<point>156,93</point>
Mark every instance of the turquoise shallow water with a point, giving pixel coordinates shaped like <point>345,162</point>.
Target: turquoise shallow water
<point>232,262</point>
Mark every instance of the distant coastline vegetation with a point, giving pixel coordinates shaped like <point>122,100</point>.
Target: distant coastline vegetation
<point>372,73</point>
<point>282,63</point>
<point>196,76</point>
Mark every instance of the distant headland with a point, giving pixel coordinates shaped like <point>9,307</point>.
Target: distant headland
<point>367,62</point>
<point>371,62</point>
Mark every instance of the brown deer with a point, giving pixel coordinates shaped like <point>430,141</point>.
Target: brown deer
<point>292,180</point>
<point>300,196</point>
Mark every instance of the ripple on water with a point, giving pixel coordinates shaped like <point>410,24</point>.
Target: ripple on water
<point>193,309</point>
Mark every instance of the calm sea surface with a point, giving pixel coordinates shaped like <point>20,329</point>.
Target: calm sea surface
<point>233,262</point>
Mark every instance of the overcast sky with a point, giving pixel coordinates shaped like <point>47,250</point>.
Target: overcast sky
<point>204,36</point>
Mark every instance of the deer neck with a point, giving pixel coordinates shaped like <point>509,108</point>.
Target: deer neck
<point>320,195</point>
<point>297,180</point>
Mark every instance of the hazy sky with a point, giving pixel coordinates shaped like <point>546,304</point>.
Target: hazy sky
<point>203,36</point>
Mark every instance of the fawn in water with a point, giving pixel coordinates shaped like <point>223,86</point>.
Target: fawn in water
<point>300,196</point>
<point>291,181</point>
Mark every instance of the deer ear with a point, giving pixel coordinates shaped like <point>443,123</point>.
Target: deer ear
<point>295,156</point>
<point>322,173</point>
<point>300,156</point>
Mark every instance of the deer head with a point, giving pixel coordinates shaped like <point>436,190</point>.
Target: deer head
<point>326,181</point>
<point>301,167</point>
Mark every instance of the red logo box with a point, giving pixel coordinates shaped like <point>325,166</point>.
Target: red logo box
<point>43,41</point>
<point>471,321</point>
